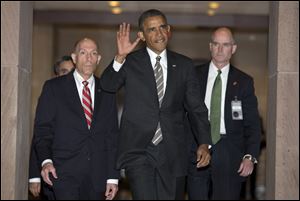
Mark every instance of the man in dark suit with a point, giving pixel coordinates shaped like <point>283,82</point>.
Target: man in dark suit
<point>61,67</point>
<point>75,131</point>
<point>235,125</point>
<point>160,87</point>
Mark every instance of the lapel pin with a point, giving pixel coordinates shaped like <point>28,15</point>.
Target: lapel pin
<point>235,83</point>
<point>173,65</point>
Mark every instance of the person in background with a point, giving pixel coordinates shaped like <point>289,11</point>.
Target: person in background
<point>76,131</point>
<point>61,67</point>
<point>235,124</point>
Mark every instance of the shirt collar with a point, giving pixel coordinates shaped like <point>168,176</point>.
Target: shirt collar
<point>79,79</point>
<point>213,68</point>
<point>153,56</point>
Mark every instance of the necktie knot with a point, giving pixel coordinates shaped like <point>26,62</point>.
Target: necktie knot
<point>85,83</point>
<point>158,58</point>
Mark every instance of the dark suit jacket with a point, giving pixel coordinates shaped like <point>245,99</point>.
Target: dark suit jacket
<point>35,172</point>
<point>244,135</point>
<point>34,166</point>
<point>142,113</point>
<point>61,132</point>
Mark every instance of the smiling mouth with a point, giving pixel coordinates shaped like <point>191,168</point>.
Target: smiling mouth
<point>160,40</point>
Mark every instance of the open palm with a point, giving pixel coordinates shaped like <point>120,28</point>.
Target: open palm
<point>123,41</point>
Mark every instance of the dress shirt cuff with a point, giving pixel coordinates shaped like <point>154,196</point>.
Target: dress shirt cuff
<point>46,161</point>
<point>35,180</point>
<point>113,181</point>
<point>117,66</point>
<point>251,158</point>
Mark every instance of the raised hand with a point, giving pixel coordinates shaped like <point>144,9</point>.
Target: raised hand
<point>123,42</point>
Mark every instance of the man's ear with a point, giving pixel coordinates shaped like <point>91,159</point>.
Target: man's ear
<point>141,35</point>
<point>234,49</point>
<point>169,31</point>
<point>98,59</point>
<point>73,55</point>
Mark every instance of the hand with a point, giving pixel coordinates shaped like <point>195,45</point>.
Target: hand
<point>35,188</point>
<point>46,169</point>
<point>203,156</point>
<point>111,191</point>
<point>123,42</point>
<point>246,168</point>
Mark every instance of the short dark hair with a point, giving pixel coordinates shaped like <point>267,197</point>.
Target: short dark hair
<point>149,13</point>
<point>57,64</point>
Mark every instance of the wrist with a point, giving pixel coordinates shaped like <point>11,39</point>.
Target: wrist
<point>120,58</point>
<point>206,146</point>
<point>251,158</point>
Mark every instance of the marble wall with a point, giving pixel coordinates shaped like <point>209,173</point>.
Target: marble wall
<point>16,48</point>
<point>283,102</point>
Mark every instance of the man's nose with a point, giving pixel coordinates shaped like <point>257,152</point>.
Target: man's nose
<point>89,56</point>
<point>159,32</point>
<point>220,48</point>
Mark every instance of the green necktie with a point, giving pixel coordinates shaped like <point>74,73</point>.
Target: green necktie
<point>215,109</point>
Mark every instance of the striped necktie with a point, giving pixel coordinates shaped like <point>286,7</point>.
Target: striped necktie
<point>87,104</point>
<point>158,74</point>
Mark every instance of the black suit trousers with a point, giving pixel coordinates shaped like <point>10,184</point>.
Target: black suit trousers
<point>220,180</point>
<point>152,179</point>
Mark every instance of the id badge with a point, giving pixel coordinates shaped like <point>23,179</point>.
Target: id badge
<point>236,109</point>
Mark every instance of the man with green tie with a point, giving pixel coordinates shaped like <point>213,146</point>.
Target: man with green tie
<point>235,126</point>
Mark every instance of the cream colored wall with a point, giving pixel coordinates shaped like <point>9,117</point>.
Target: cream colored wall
<point>67,36</point>
<point>42,61</point>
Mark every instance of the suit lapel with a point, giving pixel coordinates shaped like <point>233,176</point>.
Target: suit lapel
<point>231,86</point>
<point>171,78</point>
<point>149,72</point>
<point>73,97</point>
<point>203,79</point>
<point>231,91</point>
<point>97,100</point>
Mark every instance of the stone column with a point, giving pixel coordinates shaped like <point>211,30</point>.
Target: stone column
<point>16,48</point>
<point>283,102</point>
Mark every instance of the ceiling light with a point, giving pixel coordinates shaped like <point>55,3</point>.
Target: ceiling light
<point>116,10</point>
<point>114,3</point>
<point>213,5</point>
